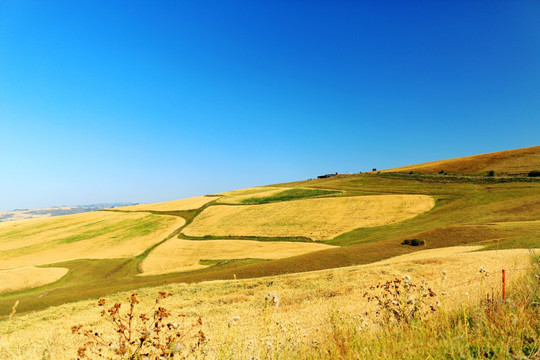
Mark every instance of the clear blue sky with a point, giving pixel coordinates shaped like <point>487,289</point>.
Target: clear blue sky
<point>145,101</point>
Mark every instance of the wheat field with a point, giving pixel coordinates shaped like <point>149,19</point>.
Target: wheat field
<point>235,318</point>
<point>176,255</point>
<point>28,277</point>
<point>181,204</point>
<point>97,235</point>
<point>318,219</point>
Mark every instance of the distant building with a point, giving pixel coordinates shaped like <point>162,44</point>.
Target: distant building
<point>326,176</point>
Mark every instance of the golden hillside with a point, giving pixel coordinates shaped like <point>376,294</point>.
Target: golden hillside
<point>509,162</point>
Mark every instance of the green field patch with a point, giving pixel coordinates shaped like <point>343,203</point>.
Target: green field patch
<point>131,228</point>
<point>290,194</point>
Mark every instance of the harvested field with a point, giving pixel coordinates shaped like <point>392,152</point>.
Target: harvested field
<point>182,204</point>
<point>176,255</point>
<point>234,314</point>
<point>318,219</point>
<point>93,235</point>
<point>237,196</point>
<point>28,277</point>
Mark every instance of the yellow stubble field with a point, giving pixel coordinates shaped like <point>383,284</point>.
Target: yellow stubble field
<point>182,204</point>
<point>28,277</point>
<point>318,219</point>
<point>233,311</point>
<point>92,235</point>
<point>177,255</point>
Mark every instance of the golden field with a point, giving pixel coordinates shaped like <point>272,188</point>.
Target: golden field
<point>238,324</point>
<point>318,219</point>
<point>176,255</point>
<point>182,204</point>
<point>92,235</point>
<point>28,277</point>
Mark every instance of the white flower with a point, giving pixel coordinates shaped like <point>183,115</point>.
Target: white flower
<point>272,299</point>
<point>176,348</point>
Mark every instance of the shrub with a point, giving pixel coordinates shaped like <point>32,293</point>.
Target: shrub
<point>413,242</point>
<point>491,173</point>
<point>534,173</point>
<point>441,172</point>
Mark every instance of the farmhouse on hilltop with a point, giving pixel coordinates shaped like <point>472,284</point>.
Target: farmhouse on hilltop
<point>326,176</point>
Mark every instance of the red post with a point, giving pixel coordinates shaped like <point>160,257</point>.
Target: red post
<point>504,284</point>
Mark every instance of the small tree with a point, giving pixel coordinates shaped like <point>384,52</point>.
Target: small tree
<point>491,173</point>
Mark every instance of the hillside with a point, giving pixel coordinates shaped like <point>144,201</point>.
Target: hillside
<point>509,162</point>
<point>320,243</point>
<point>283,228</point>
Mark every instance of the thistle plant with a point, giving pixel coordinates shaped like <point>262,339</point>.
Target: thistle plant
<point>144,335</point>
<point>401,301</point>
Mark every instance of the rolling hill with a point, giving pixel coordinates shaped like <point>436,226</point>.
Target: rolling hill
<point>509,162</point>
<point>317,245</point>
<point>357,219</point>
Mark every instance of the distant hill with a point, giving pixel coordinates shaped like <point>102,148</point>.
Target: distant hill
<point>21,214</point>
<point>509,162</point>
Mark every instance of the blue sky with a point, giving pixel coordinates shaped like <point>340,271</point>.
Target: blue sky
<point>145,101</point>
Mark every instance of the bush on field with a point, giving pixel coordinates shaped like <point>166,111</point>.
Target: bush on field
<point>413,242</point>
<point>534,173</point>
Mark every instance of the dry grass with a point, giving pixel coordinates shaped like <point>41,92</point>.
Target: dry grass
<point>177,255</point>
<point>318,219</point>
<point>182,204</point>
<point>28,277</point>
<point>518,161</point>
<point>93,235</point>
<point>236,196</point>
<point>240,326</point>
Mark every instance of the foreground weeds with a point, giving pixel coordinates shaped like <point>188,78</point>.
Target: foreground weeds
<point>144,335</point>
<point>492,329</point>
<point>402,319</point>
